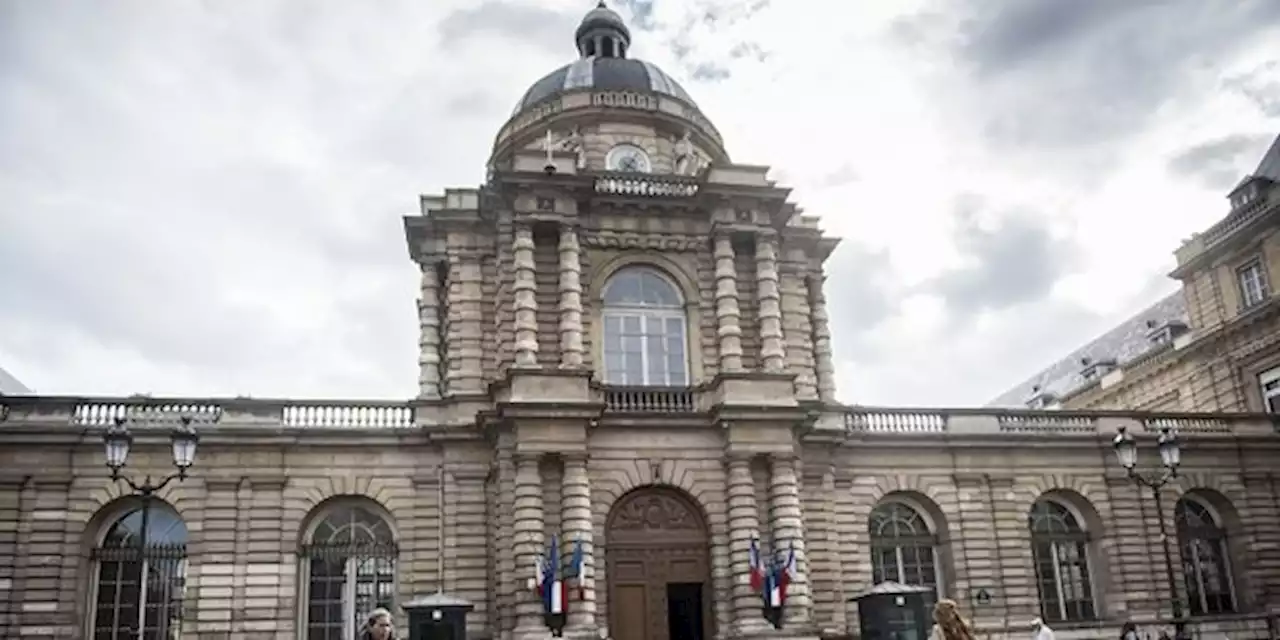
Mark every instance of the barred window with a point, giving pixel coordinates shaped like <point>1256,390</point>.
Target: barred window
<point>1060,550</point>
<point>903,549</point>
<point>140,578</point>
<point>349,564</point>
<point>1206,569</point>
<point>644,330</point>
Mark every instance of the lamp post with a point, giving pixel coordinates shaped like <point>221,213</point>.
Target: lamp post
<point>118,440</point>
<point>1170,456</point>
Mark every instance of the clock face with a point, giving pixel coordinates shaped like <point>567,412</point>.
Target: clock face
<point>627,158</point>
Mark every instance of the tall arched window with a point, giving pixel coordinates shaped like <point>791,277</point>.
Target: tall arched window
<point>644,330</point>
<point>903,549</point>
<point>140,578</point>
<point>1205,565</point>
<point>349,561</point>
<point>1060,550</point>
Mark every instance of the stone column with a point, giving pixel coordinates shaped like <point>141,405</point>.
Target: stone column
<point>824,366</point>
<point>526,299</point>
<point>727,313</point>
<point>570,299</point>
<point>787,523</point>
<point>744,521</point>
<point>528,541</point>
<point>797,322</point>
<point>429,333</point>
<point>464,334</point>
<point>773,351</point>
<point>577,525</point>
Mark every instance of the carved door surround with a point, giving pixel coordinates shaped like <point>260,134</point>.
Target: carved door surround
<point>654,536</point>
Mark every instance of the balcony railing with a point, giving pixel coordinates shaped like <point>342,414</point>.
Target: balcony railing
<point>101,412</point>
<point>902,421</point>
<point>649,400</point>
<point>646,185</point>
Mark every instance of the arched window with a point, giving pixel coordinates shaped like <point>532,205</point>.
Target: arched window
<point>903,549</point>
<point>1205,565</point>
<point>140,578</point>
<point>1060,550</point>
<point>644,331</point>
<point>349,560</point>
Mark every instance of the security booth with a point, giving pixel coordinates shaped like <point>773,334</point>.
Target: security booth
<point>438,617</point>
<point>894,611</point>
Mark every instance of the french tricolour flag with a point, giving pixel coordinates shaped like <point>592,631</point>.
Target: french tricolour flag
<point>778,579</point>
<point>550,585</point>
<point>753,563</point>
<point>577,568</point>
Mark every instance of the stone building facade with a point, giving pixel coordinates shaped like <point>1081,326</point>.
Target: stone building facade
<point>624,346</point>
<point>1213,346</point>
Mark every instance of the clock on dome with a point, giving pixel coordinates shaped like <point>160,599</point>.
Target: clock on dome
<point>627,158</point>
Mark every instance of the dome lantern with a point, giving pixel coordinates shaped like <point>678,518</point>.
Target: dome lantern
<point>603,34</point>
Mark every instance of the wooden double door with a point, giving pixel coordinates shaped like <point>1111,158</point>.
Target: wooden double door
<point>658,568</point>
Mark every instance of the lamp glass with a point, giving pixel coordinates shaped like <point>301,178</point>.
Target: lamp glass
<point>184,446</point>
<point>1170,451</point>
<point>117,442</point>
<point>1126,449</point>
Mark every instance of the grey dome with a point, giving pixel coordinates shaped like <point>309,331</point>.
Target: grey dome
<point>608,74</point>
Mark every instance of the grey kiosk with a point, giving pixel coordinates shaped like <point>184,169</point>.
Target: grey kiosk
<point>893,611</point>
<point>437,617</point>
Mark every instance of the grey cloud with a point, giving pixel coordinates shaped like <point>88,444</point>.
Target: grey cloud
<point>641,13</point>
<point>709,72</point>
<point>1219,164</point>
<point>1090,72</point>
<point>844,174</point>
<point>512,22</point>
<point>1015,263</point>
<point>1260,86</point>
<point>861,294</point>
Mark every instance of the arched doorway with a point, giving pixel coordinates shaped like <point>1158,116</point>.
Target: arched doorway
<point>658,559</point>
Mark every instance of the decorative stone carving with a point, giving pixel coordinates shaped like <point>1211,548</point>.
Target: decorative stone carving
<point>655,512</point>
<point>614,240</point>
<point>686,160</point>
<point>573,142</point>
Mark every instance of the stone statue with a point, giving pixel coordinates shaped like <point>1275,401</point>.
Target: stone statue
<point>686,158</point>
<point>573,142</point>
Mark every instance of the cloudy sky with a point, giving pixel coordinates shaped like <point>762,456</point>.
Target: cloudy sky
<point>204,198</point>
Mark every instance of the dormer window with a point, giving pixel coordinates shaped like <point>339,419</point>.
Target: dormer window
<point>1093,369</point>
<point>1042,400</point>
<point>1159,333</point>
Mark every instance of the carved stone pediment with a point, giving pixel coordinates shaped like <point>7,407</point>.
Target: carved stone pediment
<point>654,512</point>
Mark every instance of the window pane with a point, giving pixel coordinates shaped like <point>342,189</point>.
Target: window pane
<point>631,325</point>
<point>657,361</point>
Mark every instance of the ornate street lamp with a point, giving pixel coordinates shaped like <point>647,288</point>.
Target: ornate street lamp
<point>117,441</point>
<point>1170,456</point>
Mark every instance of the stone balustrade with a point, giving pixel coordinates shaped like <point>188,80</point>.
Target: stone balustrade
<point>921,421</point>
<point>295,414</point>
<point>645,185</point>
<point>688,401</point>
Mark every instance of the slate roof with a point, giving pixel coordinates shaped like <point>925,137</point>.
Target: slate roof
<point>1270,165</point>
<point>1124,343</point>
<point>10,386</point>
<point>610,74</point>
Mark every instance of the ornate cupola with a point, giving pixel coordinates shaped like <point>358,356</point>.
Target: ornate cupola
<point>603,34</point>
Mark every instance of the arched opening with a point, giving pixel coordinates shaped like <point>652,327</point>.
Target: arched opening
<point>1061,551</point>
<point>658,566</point>
<point>140,569</point>
<point>348,555</point>
<point>1206,556</point>
<point>644,320</point>
<point>905,534</point>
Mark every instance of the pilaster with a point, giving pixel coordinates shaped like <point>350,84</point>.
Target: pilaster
<point>824,365</point>
<point>571,349</point>
<point>429,333</point>
<point>528,541</point>
<point>464,333</point>
<point>787,522</point>
<point>728,315</point>
<point>773,351</point>
<point>797,323</point>
<point>577,526</point>
<point>744,521</point>
<point>526,299</point>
